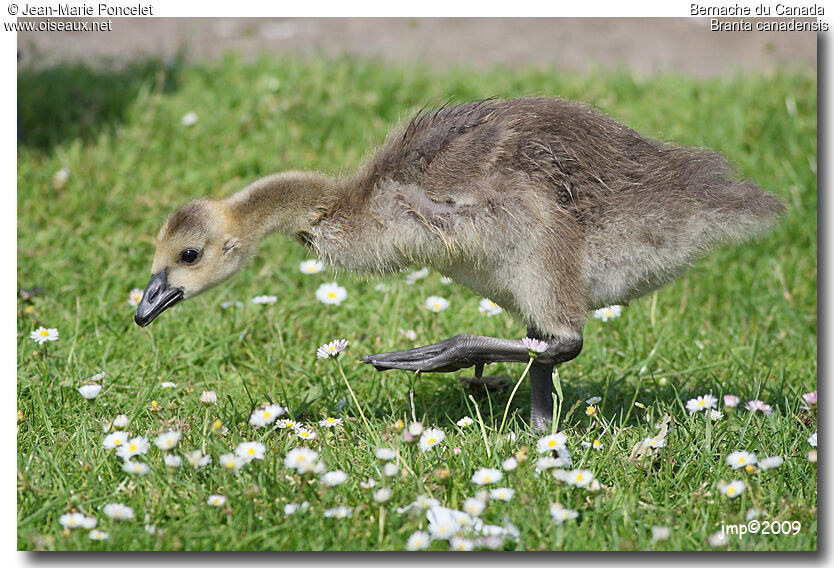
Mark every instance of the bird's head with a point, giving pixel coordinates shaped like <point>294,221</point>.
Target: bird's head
<point>195,250</point>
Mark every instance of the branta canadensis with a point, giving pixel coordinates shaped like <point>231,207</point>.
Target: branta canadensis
<point>546,206</point>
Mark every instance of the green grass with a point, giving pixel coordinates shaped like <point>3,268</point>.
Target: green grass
<point>742,321</point>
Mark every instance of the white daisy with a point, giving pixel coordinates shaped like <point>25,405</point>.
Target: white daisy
<point>430,438</point>
<point>121,421</point>
<point>77,521</point>
<point>305,434</point>
<point>196,459</point>
<point>382,495</point>
<point>43,334</point>
<point>266,415</point>
<point>732,489</point>
<point>421,503</point>
<point>502,493</point>
<point>390,469</point>
<point>415,429</point>
<point>118,512</point>
<point>60,178</point>
<point>551,442</point>
<point>489,307</point>
<point>701,403</point>
<point>561,514</point>
<point>460,543</point>
<point>115,439</point>
<point>593,400</point>
<point>653,442</point>
<point>608,312</point>
<point>133,447</point>
<point>436,303</point>
<point>89,391</point>
<point>474,506</point>
<point>292,508</point>
<point>251,451</point>
<point>303,460</point>
<point>369,484</point>
<point>549,462</point>
<point>413,277</point>
<point>229,304</point>
<point>216,500</point>
<point>168,385</point>
<point>287,424</point>
<point>330,422</point>
<point>575,477</point>
<point>487,475</point>
<point>385,454</point>
<point>445,280</point>
<point>509,464</point>
<point>812,439</point>
<point>331,293</point>
<point>167,440</point>
<point>465,421</point>
<point>138,468</point>
<point>334,478</point>
<point>771,462</point>
<point>442,523</point>
<point>98,535</point>
<point>715,415</point>
<point>264,299</point>
<point>231,462</point>
<point>311,266</point>
<point>189,119</point>
<point>418,540</point>
<point>98,376</point>
<point>172,460</point>
<point>341,512</point>
<point>660,533</point>
<point>741,459</point>
<point>135,297</point>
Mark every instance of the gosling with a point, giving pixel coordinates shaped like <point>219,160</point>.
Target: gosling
<point>546,206</point>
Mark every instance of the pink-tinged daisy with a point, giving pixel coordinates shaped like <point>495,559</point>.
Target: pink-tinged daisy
<point>552,442</point>
<point>42,335</point>
<point>730,401</point>
<point>810,398</point>
<point>739,459</point>
<point>331,293</point>
<point>430,438</point>
<point>311,266</point>
<point>251,451</point>
<point>133,447</point>
<point>489,307</point>
<point>759,406</point>
<point>535,347</point>
<point>732,489</point>
<point>486,476</point>
<point>704,402</point>
<point>89,391</point>
<point>208,398</point>
<point>332,349</point>
<point>436,303</point>
<point>608,312</point>
<point>135,296</point>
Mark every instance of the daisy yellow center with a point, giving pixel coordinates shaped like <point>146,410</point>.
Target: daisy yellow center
<point>551,443</point>
<point>701,403</point>
<point>299,459</point>
<point>607,312</point>
<point>731,490</point>
<point>304,434</point>
<point>597,443</point>
<point>230,464</point>
<point>132,447</point>
<point>741,459</point>
<point>72,521</point>
<point>331,294</point>
<point>750,469</point>
<point>331,420</point>
<point>331,348</point>
<point>579,477</point>
<point>266,414</point>
<point>436,306</point>
<point>44,333</point>
<point>487,478</point>
<point>117,441</point>
<point>251,451</point>
<point>311,269</point>
<point>431,440</point>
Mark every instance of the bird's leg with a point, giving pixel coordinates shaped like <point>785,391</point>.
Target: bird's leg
<point>541,389</point>
<point>463,351</point>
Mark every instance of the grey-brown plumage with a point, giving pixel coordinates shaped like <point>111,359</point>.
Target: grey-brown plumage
<point>544,205</point>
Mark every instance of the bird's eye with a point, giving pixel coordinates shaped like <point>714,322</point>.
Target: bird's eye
<point>189,256</point>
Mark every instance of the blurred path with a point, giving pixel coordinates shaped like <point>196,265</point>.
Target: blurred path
<point>642,45</point>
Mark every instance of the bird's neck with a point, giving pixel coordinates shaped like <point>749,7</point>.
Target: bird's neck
<point>286,203</point>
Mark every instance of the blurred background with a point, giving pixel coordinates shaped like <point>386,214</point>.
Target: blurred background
<point>641,45</point>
